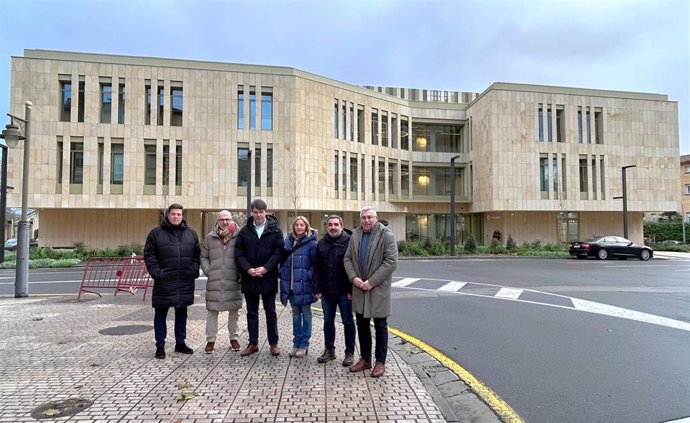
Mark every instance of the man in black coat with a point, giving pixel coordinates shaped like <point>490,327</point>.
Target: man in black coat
<point>258,252</point>
<point>335,289</point>
<point>172,257</point>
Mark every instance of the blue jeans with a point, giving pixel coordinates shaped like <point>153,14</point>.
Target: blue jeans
<point>301,324</point>
<point>364,331</point>
<point>160,328</point>
<point>269,301</point>
<point>330,303</point>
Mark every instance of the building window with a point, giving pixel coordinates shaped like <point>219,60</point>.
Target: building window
<point>66,99</point>
<point>243,166</point>
<point>345,120</point>
<point>687,189</point>
<point>165,171</point>
<point>176,105</point>
<point>579,125</point>
<point>373,175</point>
<point>589,127</point>
<point>147,103</point>
<point>362,180</point>
<point>598,126</point>
<point>437,138</point>
<point>360,123</point>
<point>76,174</point>
<point>352,122</point>
<point>240,107</point>
<point>121,101</point>
<point>405,179</point>
<point>266,109</point>
<point>81,105</point>
<point>257,168</point>
<point>392,177</point>
<point>549,123</point>
<point>336,119</point>
<point>594,178</point>
<point>555,176</point>
<point>117,164</point>
<point>544,176</point>
<point>353,173</point>
<point>394,130</point>
<point>602,178</point>
<point>101,161</point>
<point>343,169</point>
<point>404,133</point>
<point>560,123</point>
<point>583,177</point>
<point>374,127</point>
<point>58,162</point>
<point>384,128</point>
<point>564,187</point>
<point>687,169</point>
<point>150,162</point>
<point>336,170</point>
<point>178,168</point>
<point>161,100</point>
<point>252,107</point>
<point>382,175</point>
<point>269,166</point>
<point>106,101</point>
<point>540,122</point>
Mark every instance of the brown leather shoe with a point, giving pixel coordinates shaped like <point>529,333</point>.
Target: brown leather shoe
<point>234,345</point>
<point>251,349</point>
<point>378,370</point>
<point>209,347</point>
<point>275,350</point>
<point>361,365</point>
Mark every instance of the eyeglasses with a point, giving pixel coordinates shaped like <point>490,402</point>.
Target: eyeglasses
<point>368,217</point>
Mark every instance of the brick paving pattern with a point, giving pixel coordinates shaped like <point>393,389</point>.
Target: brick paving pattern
<point>51,350</point>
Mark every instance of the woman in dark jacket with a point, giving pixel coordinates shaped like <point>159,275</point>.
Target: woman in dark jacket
<point>298,282</point>
<point>172,257</point>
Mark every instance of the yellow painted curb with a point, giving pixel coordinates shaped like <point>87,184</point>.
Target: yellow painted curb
<point>500,407</point>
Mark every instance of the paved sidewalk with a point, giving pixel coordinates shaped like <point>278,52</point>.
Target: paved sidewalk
<point>102,350</point>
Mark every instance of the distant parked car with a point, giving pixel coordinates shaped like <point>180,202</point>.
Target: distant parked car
<point>11,244</point>
<point>670,242</point>
<point>607,246</point>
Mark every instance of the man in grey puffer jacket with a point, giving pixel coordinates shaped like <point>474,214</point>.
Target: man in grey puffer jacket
<point>223,290</point>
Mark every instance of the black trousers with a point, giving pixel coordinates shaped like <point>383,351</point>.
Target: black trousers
<point>364,333</point>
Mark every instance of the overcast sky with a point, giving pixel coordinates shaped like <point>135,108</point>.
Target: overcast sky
<point>628,45</point>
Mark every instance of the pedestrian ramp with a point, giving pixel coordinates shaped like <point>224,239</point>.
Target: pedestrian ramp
<point>127,274</point>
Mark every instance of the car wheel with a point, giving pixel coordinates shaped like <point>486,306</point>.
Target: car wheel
<point>603,254</point>
<point>645,255</point>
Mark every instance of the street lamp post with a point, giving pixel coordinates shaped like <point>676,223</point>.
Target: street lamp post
<point>12,134</point>
<point>625,202</point>
<point>452,204</point>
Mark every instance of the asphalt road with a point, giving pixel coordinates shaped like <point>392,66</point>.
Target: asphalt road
<point>550,361</point>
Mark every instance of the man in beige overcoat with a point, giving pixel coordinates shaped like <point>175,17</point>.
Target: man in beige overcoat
<point>223,290</point>
<point>370,260</point>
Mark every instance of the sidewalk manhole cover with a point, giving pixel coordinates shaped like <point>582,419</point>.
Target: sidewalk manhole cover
<point>54,409</point>
<point>126,330</point>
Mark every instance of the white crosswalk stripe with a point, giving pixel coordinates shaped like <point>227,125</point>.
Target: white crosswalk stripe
<point>404,282</point>
<point>509,293</point>
<point>452,286</point>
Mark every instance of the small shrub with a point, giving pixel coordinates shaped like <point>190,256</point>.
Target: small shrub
<point>497,235</point>
<point>470,244</point>
<point>438,248</point>
<point>129,249</point>
<point>496,247</point>
<point>414,249</point>
<point>33,264</point>
<point>66,262</point>
<point>510,244</point>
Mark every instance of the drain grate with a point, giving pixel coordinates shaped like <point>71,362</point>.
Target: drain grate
<point>126,330</point>
<point>54,409</point>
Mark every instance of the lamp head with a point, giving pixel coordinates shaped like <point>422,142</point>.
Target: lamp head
<point>11,134</point>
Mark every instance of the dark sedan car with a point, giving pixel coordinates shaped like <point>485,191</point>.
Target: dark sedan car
<point>607,246</point>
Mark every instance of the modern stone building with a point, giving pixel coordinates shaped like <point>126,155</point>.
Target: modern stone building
<point>115,139</point>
